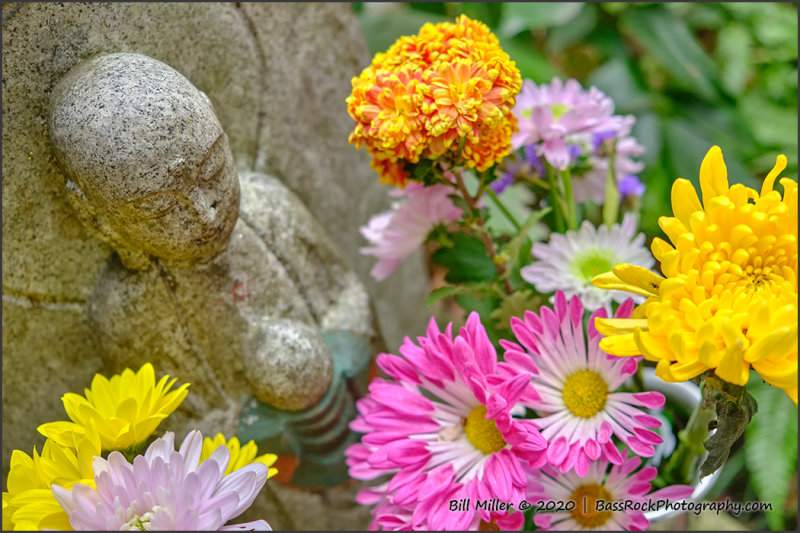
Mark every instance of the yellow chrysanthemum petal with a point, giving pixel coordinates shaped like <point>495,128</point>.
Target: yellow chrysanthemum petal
<point>769,181</point>
<point>240,456</point>
<point>618,344</point>
<point>609,280</point>
<point>684,200</point>
<point>713,175</point>
<point>776,344</point>
<point>729,297</point>
<point>124,410</point>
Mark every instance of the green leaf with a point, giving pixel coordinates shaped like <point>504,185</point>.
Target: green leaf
<point>422,171</point>
<point>529,61</point>
<point>383,25</point>
<point>514,305</point>
<point>451,290</point>
<point>466,260</point>
<point>617,79</point>
<point>735,408</point>
<point>574,32</point>
<point>770,448</point>
<point>733,51</point>
<point>490,13</point>
<point>521,16</point>
<point>670,42</point>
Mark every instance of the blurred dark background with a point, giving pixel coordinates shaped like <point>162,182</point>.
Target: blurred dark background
<point>694,75</point>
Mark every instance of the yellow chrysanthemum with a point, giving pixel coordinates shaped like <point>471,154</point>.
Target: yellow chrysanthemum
<point>728,298</point>
<point>417,100</point>
<point>29,504</point>
<point>126,409</point>
<point>240,455</point>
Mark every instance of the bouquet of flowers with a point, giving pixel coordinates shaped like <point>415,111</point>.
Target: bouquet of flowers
<point>535,413</point>
<point>104,470</point>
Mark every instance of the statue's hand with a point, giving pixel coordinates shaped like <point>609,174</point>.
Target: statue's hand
<point>288,364</point>
<point>317,435</point>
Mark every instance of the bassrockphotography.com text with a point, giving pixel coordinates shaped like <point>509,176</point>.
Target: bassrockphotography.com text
<point>597,506</point>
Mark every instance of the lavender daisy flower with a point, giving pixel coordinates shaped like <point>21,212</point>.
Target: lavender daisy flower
<point>553,114</point>
<point>165,489</point>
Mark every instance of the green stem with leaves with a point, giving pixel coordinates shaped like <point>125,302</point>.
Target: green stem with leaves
<point>481,229</point>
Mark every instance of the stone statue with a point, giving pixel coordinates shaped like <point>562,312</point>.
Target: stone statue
<point>225,283</point>
<point>83,257</point>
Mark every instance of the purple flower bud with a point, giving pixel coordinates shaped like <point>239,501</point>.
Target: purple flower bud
<point>630,185</point>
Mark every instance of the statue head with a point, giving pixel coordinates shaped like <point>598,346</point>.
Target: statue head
<point>148,165</point>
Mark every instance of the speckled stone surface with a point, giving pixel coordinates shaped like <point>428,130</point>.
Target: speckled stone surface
<point>283,353</point>
<point>277,84</point>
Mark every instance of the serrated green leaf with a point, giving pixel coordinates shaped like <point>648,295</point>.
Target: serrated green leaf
<point>735,408</point>
<point>466,261</point>
<point>770,448</point>
<point>451,290</point>
<point>514,305</point>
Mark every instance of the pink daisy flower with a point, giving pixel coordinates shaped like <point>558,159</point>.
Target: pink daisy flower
<point>576,382</point>
<point>396,234</point>
<point>619,484</point>
<point>165,489</point>
<point>444,428</point>
<point>554,114</point>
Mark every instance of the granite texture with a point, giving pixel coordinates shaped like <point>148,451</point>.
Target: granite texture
<point>277,86</point>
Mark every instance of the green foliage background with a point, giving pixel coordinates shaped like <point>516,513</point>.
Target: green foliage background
<point>694,75</point>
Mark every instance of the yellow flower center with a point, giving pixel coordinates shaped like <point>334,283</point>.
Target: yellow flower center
<point>584,512</point>
<point>558,110</point>
<point>488,526</point>
<point>585,393</point>
<point>483,433</point>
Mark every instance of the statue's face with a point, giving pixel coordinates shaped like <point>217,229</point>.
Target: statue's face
<point>188,212</point>
<point>146,156</point>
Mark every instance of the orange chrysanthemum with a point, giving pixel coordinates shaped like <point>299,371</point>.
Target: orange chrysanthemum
<point>728,298</point>
<point>420,98</point>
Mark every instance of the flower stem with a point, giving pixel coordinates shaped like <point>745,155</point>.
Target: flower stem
<point>481,229</point>
<point>566,178</point>
<point>683,461</point>
<point>611,202</point>
<point>555,199</point>
<point>503,208</point>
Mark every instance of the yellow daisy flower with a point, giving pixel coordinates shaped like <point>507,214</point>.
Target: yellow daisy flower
<point>29,504</point>
<point>240,455</point>
<point>126,409</point>
<point>728,298</point>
